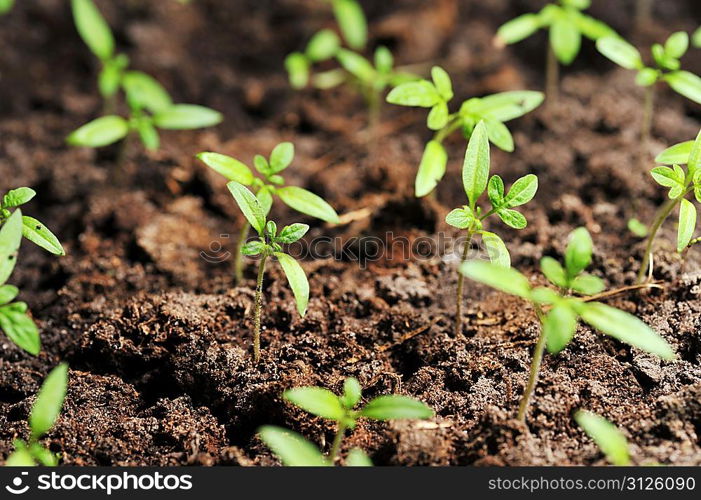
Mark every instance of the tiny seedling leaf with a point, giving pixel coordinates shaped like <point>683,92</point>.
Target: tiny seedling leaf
<point>687,224</point>
<point>587,284</point>
<point>20,328</point>
<point>297,67</point>
<point>496,249</point>
<point>281,157</point>
<point>10,241</point>
<point>507,280</point>
<point>49,402</point>
<point>620,52</point>
<point>352,392</point>
<point>8,293</point>
<point>518,29</point>
<point>317,401</point>
<point>249,205</point>
<point>17,197</point>
<point>565,39</point>
<point>356,65</point>
<point>351,19</point>
<point>522,191</point>
<point>460,218</point>
<point>186,117</point>
<point>608,438</point>
<point>512,218</point>
<point>93,28</point>
<point>357,458</point>
<point>431,169</point>
<point>323,46</point>
<point>292,233</point>
<point>307,203</point>
<point>475,172</point>
<point>579,252</point>
<point>144,92</point>
<point>297,280</point>
<point>686,84</point>
<point>291,448</point>
<point>559,327</point>
<point>554,271</point>
<point>38,233</point>
<point>100,132</point>
<point>442,83</point>
<point>231,168</point>
<point>421,94</point>
<point>394,407</point>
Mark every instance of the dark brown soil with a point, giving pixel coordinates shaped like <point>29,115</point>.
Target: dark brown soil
<point>158,339</point>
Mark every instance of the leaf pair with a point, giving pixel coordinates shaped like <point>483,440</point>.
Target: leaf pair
<point>571,277</point>
<point>32,229</point>
<point>435,94</point>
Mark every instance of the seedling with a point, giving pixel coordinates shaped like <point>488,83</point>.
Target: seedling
<point>32,229</point>
<point>45,411</point>
<point>294,450</point>
<point>607,437</point>
<point>565,310</point>
<point>266,188</point>
<point>681,182</point>
<point>666,68</point>
<point>269,245</point>
<point>566,24</point>
<point>371,78</point>
<point>493,110</point>
<point>6,6</point>
<point>470,217</point>
<point>150,106</point>
<point>696,37</point>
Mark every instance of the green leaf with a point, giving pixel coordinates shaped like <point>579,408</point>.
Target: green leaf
<point>265,198</point>
<point>281,157</point>
<point>442,83</point>
<point>10,241</point>
<point>578,252</point>
<point>357,458</point>
<point>475,171</point>
<point>356,65</point>
<point>694,162</point>
<point>507,280</point>
<point>677,44</point>
<point>687,224</point>
<point>696,37</point>
<point>292,233</point>
<point>186,117</point>
<point>93,28</point>
<point>144,92</point>
<point>518,29</point>
<point>351,19</point>
<point>384,61</point>
<point>39,234</point>
<point>431,169</point>
<point>677,154</point>
<point>496,249</point>
<point>637,228</point>
<point>307,203</point>
<point>438,117</point>
<point>672,178</point>
<point>49,402</point>
<point>297,280</point>
<point>42,455</point>
<point>261,164</point>
<point>249,205</point>
<point>607,437</point>
<point>619,51</point>
<point>503,106</point>
<point>352,392</point>
<point>686,84</point>
<point>460,218</point>
<point>495,191</point>
<point>559,326</point>
<point>554,271</point>
<point>100,132</point>
<point>565,39</point>
<point>323,46</point>
<point>420,93</point>
<point>6,6</point>
<point>587,284</point>
<point>20,457</point>
<point>512,218</point>
<point>646,77</point>
<point>394,407</point>
<point>229,167</point>
<point>20,328</point>
<point>499,135</point>
<point>593,28</point>
<point>522,191</point>
<point>625,327</point>
<point>543,295</point>
<point>110,76</point>
<point>252,248</point>
<point>317,401</point>
<point>297,66</point>
<point>8,293</point>
<point>17,197</point>
<point>291,448</point>
<point>148,134</point>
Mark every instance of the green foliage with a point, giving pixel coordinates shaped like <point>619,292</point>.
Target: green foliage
<point>32,229</point>
<point>666,67</point>
<point>6,6</point>
<point>608,438</point>
<point>291,448</point>
<point>696,37</point>
<point>45,411</point>
<point>565,310</point>
<point>150,106</point>
<point>566,25</point>
<point>436,94</point>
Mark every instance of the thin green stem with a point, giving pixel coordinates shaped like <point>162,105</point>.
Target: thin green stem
<point>336,446</point>
<point>454,123</point>
<point>461,284</point>
<point>552,75</point>
<point>662,214</point>
<point>258,308</point>
<point>648,110</point>
<point>238,256</point>
<point>535,368</point>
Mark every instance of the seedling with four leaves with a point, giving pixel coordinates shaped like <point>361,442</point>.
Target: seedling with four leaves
<point>436,94</point>
<point>559,311</point>
<point>45,411</point>
<point>470,218</point>
<point>269,245</point>
<point>294,450</point>
<point>666,68</point>
<point>266,188</point>
<point>566,25</point>
<point>150,106</point>
<point>607,437</point>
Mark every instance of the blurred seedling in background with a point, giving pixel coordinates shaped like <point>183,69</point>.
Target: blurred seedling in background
<point>607,437</point>
<point>371,78</point>
<point>266,188</point>
<point>269,245</point>
<point>681,182</point>
<point>150,106</point>
<point>560,311</point>
<point>566,24</point>
<point>45,411</point>
<point>436,94</point>
<point>6,6</point>
<point>294,450</point>
<point>696,38</point>
<point>475,175</point>
<point>666,68</point>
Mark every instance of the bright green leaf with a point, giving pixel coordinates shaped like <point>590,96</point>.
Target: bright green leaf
<point>587,284</point>
<point>297,280</point>
<point>297,66</point>
<point>512,218</point>
<point>323,46</point>
<point>351,19</point>
<point>559,326</point>
<point>317,401</point>
<point>93,28</point>
<point>394,407</point>
<point>420,93</point>
<point>608,438</point>
<point>518,29</point>
<point>291,448</point>
<point>38,233</point>
<point>686,84</point>
<point>522,191</point>
<point>144,92</point>
<point>441,80</point>
<point>356,65</point>
<point>281,157</point>
<point>10,240</point>
<point>507,280</point>
<point>554,271</point>
<point>460,218</point>
<point>187,117</point>
<point>475,171</point>
<point>249,205</point>
<point>231,168</point>
<point>496,249</point>
<point>687,224</point>
<point>565,39</point>
<point>352,392</point>
<point>431,169</point>
<point>49,402</point>
<point>620,52</point>
<point>17,197</point>
<point>100,132</point>
<point>578,252</point>
<point>307,203</point>
<point>357,458</point>
<point>292,233</point>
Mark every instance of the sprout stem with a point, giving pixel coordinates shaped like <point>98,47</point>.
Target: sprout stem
<point>552,72</point>
<point>238,256</point>
<point>648,109</point>
<point>535,368</point>
<point>453,124</point>
<point>336,446</point>
<point>461,283</point>
<point>258,307</point>
<point>662,214</point>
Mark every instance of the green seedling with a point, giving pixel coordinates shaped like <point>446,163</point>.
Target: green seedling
<point>470,217</point>
<point>371,78</point>
<point>269,245</point>
<point>681,183</point>
<point>6,6</point>
<point>45,411</point>
<point>666,68</point>
<point>294,450</point>
<point>150,106</point>
<point>566,25</point>
<point>32,229</point>
<point>493,110</point>
<point>560,311</point>
<point>696,37</point>
<point>607,437</point>
<point>266,187</point>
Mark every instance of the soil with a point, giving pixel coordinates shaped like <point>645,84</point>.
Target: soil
<point>159,339</point>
